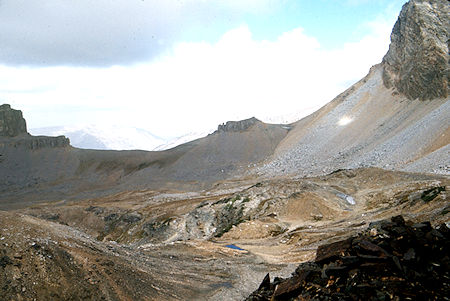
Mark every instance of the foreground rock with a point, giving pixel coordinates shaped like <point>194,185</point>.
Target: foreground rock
<point>393,260</point>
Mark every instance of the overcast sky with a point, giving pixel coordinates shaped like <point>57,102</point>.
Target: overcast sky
<point>174,66</point>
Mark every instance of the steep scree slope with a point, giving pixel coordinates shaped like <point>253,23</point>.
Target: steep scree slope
<point>395,118</point>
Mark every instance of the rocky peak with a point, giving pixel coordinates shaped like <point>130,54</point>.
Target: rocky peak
<point>12,122</point>
<point>237,126</point>
<point>416,64</point>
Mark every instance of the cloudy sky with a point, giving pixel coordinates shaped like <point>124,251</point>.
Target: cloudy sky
<point>176,66</point>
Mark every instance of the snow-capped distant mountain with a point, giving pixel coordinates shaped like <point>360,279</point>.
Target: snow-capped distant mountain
<point>115,137</point>
<point>104,137</point>
<point>171,143</point>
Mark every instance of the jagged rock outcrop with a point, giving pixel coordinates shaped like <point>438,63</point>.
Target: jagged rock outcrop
<point>394,260</point>
<point>237,126</point>
<point>417,61</point>
<point>34,143</point>
<point>12,122</point>
<point>12,125</point>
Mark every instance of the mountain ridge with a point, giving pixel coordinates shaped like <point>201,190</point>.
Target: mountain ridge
<point>387,119</point>
<point>104,137</point>
<point>207,219</point>
<point>367,125</point>
<point>39,167</point>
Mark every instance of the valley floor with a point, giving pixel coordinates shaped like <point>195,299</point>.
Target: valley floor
<point>216,244</point>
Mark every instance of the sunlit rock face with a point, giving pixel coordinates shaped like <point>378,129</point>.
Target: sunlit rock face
<point>416,64</point>
<point>11,122</point>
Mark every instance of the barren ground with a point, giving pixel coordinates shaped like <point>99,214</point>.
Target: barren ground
<point>167,245</point>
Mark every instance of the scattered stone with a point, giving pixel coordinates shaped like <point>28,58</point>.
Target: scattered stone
<point>405,262</point>
<point>317,217</point>
<point>431,194</point>
<point>4,261</point>
<point>327,253</point>
<point>131,218</point>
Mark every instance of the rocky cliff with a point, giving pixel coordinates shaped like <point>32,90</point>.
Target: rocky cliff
<point>11,122</point>
<point>237,126</point>
<point>35,142</point>
<point>416,64</point>
<point>394,118</point>
<point>13,133</point>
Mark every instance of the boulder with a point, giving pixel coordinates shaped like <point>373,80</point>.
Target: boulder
<point>404,262</point>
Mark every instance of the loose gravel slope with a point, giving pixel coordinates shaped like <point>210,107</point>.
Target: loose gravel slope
<point>367,125</point>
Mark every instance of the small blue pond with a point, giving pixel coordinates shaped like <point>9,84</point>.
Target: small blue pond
<point>234,247</point>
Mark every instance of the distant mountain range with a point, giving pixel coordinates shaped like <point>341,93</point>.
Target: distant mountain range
<point>113,137</point>
<point>116,137</point>
<point>208,218</point>
<point>394,118</point>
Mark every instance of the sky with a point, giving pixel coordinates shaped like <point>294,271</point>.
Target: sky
<point>178,66</point>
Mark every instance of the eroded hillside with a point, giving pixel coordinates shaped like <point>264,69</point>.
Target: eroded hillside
<point>39,168</point>
<point>207,220</point>
<point>394,118</point>
<point>216,244</point>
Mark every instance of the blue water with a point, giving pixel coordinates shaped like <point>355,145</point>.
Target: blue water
<point>234,247</point>
<point>221,284</point>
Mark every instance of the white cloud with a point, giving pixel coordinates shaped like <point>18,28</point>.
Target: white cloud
<point>105,33</point>
<point>197,85</point>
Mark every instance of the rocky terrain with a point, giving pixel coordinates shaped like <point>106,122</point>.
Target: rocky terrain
<point>211,245</point>
<point>37,168</point>
<point>394,118</point>
<point>394,260</point>
<point>274,223</point>
<point>209,219</point>
<point>416,64</point>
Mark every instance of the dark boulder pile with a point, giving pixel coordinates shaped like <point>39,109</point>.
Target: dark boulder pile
<point>392,260</point>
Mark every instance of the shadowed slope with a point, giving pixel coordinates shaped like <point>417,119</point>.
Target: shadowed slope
<point>40,168</point>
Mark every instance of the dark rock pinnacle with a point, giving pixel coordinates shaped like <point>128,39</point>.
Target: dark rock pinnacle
<point>12,122</point>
